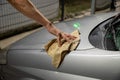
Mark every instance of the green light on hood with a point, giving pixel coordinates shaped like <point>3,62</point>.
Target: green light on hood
<point>76,25</point>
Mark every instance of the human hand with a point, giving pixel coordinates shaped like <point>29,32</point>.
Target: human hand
<point>64,36</point>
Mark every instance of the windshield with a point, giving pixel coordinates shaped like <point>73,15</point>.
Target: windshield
<point>113,32</point>
<point>107,34</point>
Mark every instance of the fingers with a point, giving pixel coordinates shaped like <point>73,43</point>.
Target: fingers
<point>69,37</point>
<point>66,37</point>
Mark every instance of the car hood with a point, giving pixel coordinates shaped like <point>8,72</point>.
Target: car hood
<point>38,39</point>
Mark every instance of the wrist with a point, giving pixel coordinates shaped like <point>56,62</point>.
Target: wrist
<point>52,29</point>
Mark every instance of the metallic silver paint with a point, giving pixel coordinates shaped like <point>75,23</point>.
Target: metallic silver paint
<point>85,63</point>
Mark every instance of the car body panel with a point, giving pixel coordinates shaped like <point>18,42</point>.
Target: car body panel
<point>28,56</point>
<point>92,63</point>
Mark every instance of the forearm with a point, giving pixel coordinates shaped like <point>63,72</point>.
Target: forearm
<point>28,9</point>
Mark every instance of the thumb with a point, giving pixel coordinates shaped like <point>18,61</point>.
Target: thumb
<point>59,39</point>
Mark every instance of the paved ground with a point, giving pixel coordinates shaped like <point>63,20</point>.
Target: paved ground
<point>6,42</point>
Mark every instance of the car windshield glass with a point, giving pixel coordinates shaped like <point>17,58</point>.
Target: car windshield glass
<point>113,31</point>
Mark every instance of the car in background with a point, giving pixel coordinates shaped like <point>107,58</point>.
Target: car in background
<point>97,57</point>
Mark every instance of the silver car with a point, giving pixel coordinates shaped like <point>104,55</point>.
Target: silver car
<point>97,57</point>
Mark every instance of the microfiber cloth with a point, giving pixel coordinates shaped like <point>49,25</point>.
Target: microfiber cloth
<point>58,53</point>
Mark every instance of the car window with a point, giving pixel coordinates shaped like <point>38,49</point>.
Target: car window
<point>102,36</point>
<point>113,33</point>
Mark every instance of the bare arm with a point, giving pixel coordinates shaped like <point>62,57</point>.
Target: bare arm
<point>27,8</point>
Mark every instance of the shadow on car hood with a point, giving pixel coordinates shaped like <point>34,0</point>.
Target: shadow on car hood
<point>86,24</point>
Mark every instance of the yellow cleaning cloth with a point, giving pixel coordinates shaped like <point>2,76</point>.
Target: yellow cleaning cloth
<point>58,53</point>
